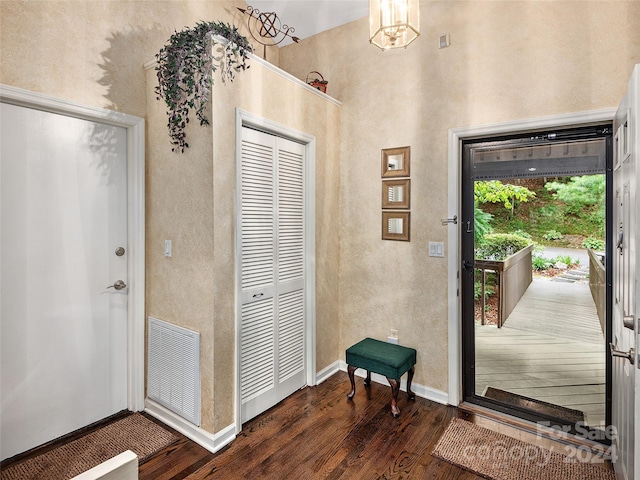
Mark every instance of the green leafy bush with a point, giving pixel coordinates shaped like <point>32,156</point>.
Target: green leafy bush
<point>567,260</point>
<point>541,263</point>
<point>580,191</point>
<point>584,202</point>
<point>552,235</point>
<point>481,223</point>
<point>593,243</point>
<point>498,246</point>
<point>477,291</point>
<point>523,234</point>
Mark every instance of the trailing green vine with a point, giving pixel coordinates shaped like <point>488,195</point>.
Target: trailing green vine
<point>185,69</point>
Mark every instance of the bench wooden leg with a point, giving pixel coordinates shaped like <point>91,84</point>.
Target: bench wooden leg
<point>395,388</point>
<point>412,396</point>
<point>351,370</point>
<point>367,381</point>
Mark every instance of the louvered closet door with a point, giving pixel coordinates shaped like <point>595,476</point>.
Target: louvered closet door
<point>272,271</point>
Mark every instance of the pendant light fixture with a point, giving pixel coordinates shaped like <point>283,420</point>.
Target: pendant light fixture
<point>393,23</point>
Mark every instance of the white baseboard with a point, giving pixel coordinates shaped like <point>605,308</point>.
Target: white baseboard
<point>325,373</point>
<point>212,442</point>
<point>421,391</point>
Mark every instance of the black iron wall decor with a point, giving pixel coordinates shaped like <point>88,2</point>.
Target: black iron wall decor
<point>266,28</point>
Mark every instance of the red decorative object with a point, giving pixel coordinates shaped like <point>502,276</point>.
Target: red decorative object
<point>319,83</point>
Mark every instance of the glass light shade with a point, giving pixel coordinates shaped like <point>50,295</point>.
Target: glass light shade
<point>393,23</point>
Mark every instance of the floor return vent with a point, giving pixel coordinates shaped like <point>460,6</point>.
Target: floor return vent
<point>174,369</point>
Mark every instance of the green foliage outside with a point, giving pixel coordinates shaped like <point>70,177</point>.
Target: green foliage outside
<point>552,235</point>
<point>579,192</point>
<point>540,263</point>
<point>561,211</point>
<point>567,260</point>
<point>477,291</point>
<point>494,191</point>
<point>482,223</point>
<point>498,246</point>
<point>593,243</point>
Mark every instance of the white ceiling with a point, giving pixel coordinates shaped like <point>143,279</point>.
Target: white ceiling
<point>309,17</point>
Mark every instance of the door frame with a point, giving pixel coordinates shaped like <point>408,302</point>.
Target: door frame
<point>135,212</point>
<point>455,138</point>
<point>251,120</point>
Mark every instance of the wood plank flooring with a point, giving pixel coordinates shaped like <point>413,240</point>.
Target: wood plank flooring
<point>551,348</point>
<point>317,433</point>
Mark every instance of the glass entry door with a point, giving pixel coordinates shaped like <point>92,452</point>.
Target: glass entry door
<point>535,275</point>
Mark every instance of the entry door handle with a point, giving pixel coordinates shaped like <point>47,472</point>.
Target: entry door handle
<point>629,322</point>
<point>468,265</point>
<point>618,353</point>
<point>118,285</point>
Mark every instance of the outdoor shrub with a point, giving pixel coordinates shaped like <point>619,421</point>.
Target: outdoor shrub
<point>498,246</point>
<point>482,223</point>
<point>523,234</point>
<point>593,243</point>
<point>552,235</point>
<point>567,260</point>
<point>477,291</point>
<point>541,263</point>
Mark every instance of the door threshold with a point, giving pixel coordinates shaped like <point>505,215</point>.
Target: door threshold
<point>578,447</point>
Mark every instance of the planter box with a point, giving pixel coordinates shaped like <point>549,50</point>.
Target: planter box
<point>514,275</point>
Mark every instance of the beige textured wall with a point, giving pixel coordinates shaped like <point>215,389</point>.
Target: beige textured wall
<point>507,60</point>
<point>191,200</point>
<point>92,51</point>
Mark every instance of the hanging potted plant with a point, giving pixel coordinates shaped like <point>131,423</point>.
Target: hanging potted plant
<point>185,69</point>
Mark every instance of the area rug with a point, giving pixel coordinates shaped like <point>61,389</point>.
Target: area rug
<point>134,432</point>
<point>499,457</point>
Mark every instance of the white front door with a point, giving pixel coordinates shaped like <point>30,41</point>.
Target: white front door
<point>625,407</point>
<point>63,221</point>
<point>272,270</point>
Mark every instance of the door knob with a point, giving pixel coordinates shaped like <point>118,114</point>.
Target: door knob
<point>617,353</point>
<point>118,285</point>
<point>629,322</point>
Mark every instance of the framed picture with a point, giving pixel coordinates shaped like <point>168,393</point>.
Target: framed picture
<point>396,193</point>
<point>395,161</point>
<point>395,226</point>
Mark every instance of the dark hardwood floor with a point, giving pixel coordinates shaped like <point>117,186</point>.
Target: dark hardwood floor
<point>318,433</point>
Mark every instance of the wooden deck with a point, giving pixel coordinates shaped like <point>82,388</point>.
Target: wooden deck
<point>551,348</point>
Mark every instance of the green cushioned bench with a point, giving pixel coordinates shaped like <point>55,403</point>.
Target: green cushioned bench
<point>382,358</point>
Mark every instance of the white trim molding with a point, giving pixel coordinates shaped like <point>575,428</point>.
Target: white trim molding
<point>212,442</point>
<point>269,66</point>
<point>456,136</point>
<point>420,390</point>
<point>327,372</point>
<point>135,211</point>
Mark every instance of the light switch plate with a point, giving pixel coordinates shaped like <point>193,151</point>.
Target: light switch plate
<point>436,249</point>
